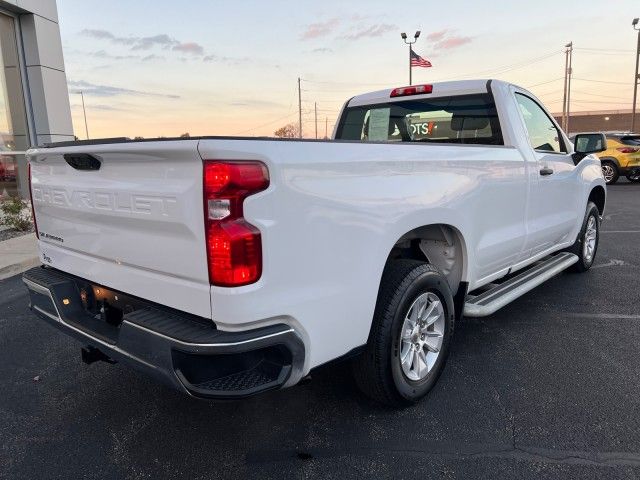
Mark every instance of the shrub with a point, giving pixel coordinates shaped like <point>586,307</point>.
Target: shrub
<point>16,214</point>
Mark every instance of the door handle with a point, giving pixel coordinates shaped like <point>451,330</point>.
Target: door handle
<point>546,171</point>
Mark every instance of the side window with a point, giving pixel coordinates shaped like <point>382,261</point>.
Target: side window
<point>543,134</point>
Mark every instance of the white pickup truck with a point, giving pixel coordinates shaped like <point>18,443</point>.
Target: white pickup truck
<point>226,267</point>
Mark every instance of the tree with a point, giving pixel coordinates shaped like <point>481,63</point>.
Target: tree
<point>185,135</point>
<point>288,131</point>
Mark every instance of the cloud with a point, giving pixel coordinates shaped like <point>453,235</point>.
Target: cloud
<point>437,36</point>
<point>111,91</point>
<point>106,108</point>
<point>447,39</point>
<point>255,103</point>
<point>452,42</point>
<point>322,50</point>
<point>106,35</point>
<point>146,43</point>
<point>151,57</point>
<point>104,54</point>
<point>190,48</point>
<point>223,59</point>
<point>320,29</point>
<point>372,31</point>
<point>102,34</point>
<point>161,40</point>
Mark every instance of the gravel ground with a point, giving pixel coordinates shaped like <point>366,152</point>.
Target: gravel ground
<point>7,233</point>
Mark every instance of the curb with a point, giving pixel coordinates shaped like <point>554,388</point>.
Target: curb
<point>16,268</point>
<point>18,254</point>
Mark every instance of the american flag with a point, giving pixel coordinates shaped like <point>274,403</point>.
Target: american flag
<point>418,61</point>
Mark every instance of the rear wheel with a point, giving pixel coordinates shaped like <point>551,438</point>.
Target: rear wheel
<point>610,172</point>
<point>586,245</point>
<point>410,336</point>
<point>634,177</point>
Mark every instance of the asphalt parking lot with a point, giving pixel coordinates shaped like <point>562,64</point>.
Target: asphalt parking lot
<point>549,387</point>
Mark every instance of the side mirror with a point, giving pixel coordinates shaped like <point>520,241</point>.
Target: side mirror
<point>586,143</point>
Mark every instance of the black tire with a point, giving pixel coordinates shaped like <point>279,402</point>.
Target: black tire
<point>378,372</point>
<point>614,174</point>
<point>585,263</point>
<point>634,178</point>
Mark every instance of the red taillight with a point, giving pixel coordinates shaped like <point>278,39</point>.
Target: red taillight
<point>628,150</point>
<point>33,208</point>
<point>412,90</point>
<point>234,246</point>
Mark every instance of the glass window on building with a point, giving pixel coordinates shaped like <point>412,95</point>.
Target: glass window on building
<point>14,138</point>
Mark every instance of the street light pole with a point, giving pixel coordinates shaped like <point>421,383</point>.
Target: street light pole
<point>636,76</point>
<point>84,111</point>
<point>410,43</point>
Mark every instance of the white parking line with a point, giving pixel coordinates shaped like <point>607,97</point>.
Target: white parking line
<point>613,263</point>
<point>620,231</point>
<point>606,316</point>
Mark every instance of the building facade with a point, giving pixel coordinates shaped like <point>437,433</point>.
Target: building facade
<point>600,121</point>
<point>34,100</point>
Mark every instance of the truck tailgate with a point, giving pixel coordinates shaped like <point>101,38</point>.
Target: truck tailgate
<point>135,224</point>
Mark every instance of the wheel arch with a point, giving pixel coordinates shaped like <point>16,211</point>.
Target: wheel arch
<point>613,160</point>
<point>440,244</point>
<point>599,197</point>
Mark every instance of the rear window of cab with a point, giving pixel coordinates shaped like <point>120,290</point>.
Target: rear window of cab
<point>468,119</point>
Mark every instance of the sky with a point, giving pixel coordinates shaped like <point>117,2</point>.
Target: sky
<point>162,68</point>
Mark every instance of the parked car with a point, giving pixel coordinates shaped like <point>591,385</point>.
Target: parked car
<point>622,157</point>
<point>225,267</point>
<point>7,169</point>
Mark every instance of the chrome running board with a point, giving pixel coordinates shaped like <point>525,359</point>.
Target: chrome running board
<point>500,294</point>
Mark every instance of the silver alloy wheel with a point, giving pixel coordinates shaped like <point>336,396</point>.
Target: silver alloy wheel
<point>590,236</point>
<point>421,336</point>
<point>607,172</point>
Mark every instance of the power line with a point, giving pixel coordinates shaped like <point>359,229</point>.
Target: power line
<point>589,52</point>
<point>545,83</point>
<point>600,95</point>
<point>548,93</point>
<point>587,101</point>
<point>600,81</point>
<point>265,124</point>
<point>508,68</point>
<point>604,50</point>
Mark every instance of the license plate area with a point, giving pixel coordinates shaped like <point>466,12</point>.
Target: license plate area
<point>93,309</point>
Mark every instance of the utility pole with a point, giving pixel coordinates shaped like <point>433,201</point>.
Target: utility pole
<point>315,110</point>
<point>566,100</point>
<point>410,43</point>
<point>569,85</point>
<point>299,110</point>
<point>564,94</point>
<point>84,111</point>
<point>326,127</point>
<point>636,77</point>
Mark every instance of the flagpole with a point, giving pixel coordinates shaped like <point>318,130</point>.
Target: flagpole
<point>410,51</point>
<point>415,39</point>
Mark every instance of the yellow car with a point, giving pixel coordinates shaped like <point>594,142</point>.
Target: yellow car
<point>622,157</point>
